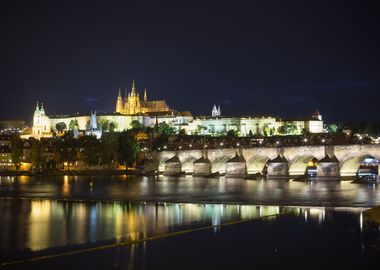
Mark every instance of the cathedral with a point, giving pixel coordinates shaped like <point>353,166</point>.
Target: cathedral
<point>131,104</point>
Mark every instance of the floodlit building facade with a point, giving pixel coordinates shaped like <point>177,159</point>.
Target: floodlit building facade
<point>151,113</point>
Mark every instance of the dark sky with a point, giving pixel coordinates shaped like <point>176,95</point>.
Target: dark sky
<point>283,58</point>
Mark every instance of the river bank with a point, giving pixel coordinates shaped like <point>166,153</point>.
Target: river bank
<point>104,172</point>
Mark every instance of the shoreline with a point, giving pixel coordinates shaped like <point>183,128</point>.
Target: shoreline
<point>71,172</point>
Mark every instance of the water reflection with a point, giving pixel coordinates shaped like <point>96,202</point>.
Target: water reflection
<point>41,224</point>
<point>193,189</point>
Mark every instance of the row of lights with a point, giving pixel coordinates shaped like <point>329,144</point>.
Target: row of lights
<point>237,144</point>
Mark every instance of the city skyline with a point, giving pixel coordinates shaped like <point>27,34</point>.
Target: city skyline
<point>256,58</point>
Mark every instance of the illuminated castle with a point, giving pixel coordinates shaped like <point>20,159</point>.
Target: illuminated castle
<point>131,103</point>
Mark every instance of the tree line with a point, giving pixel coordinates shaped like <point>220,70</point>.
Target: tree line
<point>46,153</point>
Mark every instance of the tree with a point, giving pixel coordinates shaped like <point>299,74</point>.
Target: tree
<point>104,124</point>
<point>182,132</point>
<point>305,132</point>
<point>73,125</point>
<point>91,152</point>
<point>287,129</point>
<point>200,129</point>
<point>36,154</point>
<point>332,128</point>
<point>128,147</point>
<point>16,151</point>
<point>166,128</point>
<point>61,126</point>
<point>137,126</point>
<point>67,147</point>
<point>232,133</point>
<point>113,126</point>
<point>109,148</point>
<point>266,130</point>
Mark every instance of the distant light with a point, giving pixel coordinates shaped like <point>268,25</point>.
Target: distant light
<point>221,144</point>
<point>205,145</point>
<point>180,147</point>
<point>277,142</point>
<point>237,144</point>
<point>190,145</point>
<point>323,140</point>
<point>305,140</point>
<point>165,147</point>
<point>159,148</point>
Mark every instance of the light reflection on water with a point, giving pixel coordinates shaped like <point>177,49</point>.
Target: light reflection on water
<point>193,189</point>
<point>39,224</point>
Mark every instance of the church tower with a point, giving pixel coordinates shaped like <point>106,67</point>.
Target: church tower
<point>317,115</point>
<point>119,103</point>
<point>41,123</point>
<point>132,106</point>
<point>215,111</point>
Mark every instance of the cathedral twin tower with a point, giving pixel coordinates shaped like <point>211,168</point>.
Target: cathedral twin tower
<point>131,103</point>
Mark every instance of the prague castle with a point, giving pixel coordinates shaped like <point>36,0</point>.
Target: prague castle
<point>131,104</point>
<point>149,113</point>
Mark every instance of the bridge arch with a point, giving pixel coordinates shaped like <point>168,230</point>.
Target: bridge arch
<point>187,164</point>
<point>161,165</point>
<point>257,164</point>
<point>350,166</point>
<point>299,165</point>
<point>219,164</point>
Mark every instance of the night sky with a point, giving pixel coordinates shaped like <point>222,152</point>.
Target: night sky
<point>283,58</point>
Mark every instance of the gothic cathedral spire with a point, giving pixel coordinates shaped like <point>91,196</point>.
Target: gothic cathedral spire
<point>119,103</point>
<point>145,95</point>
<point>133,92</point>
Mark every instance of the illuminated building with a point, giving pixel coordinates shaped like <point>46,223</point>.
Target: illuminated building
<point>132,105</point>
<point>41,123</point>
<point>150,113</point>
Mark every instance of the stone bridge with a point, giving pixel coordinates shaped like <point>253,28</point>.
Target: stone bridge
<point>332,161</point>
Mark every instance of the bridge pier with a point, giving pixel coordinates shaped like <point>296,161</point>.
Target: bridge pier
<point>150,166</point>
<point>236,166</point>
<point>278,167</point>
<point>173,166</point>
<point>202,166</point>
<point>328,167</point>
